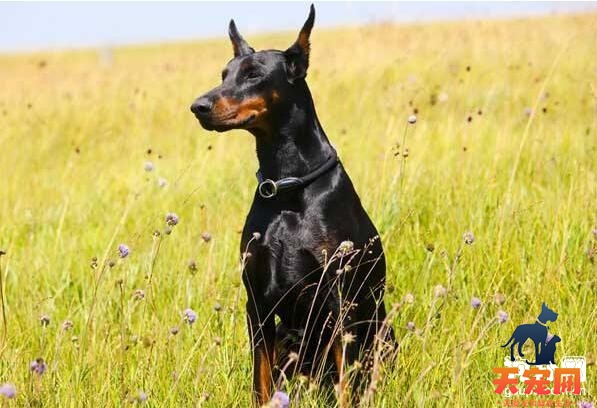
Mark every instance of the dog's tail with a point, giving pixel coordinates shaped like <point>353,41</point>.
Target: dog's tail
<point>508,342</point>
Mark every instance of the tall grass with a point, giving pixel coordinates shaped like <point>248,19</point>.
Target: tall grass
<point>504,146</point>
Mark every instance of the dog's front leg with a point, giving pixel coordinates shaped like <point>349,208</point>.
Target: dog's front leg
<point>262,333</point>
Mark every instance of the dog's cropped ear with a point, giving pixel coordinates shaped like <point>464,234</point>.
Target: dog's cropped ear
<point>240,46</point>
<point>544,306</point>
<point>297,56</point>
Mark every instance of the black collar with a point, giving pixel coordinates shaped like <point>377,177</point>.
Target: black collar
<point>269,188</point>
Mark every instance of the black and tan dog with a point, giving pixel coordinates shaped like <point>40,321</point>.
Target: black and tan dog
<point>312,256</point>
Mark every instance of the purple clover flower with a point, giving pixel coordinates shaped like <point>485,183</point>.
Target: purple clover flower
<point>439,291</point>
<point>142,396</point>
<point>38,366</point>
<point>123,250</point>
<point>411,326</point>
<point>8,390</point>
<point>139,294</point>
<point>468,238</point>
<point>476,302</point>
<point>67,325</point>
<point>171,219</point>
<point>189,316</point>
<point>586,404</point>
<point>280,400</point>
<point>502,317</point>
<point>44,320</point>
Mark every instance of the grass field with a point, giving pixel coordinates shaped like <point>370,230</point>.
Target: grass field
<point>505,146</point>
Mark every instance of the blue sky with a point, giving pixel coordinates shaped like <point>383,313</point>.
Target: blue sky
<point>56,25</point>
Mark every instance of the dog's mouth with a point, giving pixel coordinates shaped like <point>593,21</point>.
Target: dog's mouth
<point>228,122</point>
<point>228,113</point>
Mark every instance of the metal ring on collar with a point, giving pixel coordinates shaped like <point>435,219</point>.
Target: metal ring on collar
<point>268,188</point>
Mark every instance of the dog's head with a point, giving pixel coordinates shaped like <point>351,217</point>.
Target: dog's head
<point>254,83</point>
<point>547,315</point>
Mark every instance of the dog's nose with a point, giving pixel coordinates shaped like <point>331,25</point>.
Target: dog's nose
<point>201,106</point>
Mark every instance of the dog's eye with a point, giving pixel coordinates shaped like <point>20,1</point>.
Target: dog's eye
<point>252,75</point>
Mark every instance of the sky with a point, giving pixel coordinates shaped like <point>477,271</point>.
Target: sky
<point>28,26</point>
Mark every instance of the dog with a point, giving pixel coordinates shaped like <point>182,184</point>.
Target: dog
<point>536,332</point>
<point>311,255</point>
<point>548,352</point>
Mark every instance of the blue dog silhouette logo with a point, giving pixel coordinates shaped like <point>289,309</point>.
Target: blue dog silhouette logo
<point>545,345</point>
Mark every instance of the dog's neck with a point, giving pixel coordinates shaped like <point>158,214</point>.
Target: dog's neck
<point>541,323</point>
<point>294,143</point>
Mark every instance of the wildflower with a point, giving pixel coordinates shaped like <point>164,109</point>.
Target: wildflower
<point>141,396</point>
<point>475,302</point>
<point>139,294</point>
<point>206,237</point>
<point>162,182</point>
<point>412,119</point>
<point>502,316</point>
<point>217,307</point>
<point>279,400</point>
<point>468,238</point>
<point>123,250</point>
<point>430,247</point>
<point>256,236</point>
<point>148,166</point>
<point>192,266</point>
<point>44,320</point>
<point>499,298</point>
<point>174,330</point>
<point>218,341</point>
<point>38,366</point>
<point>409,298</point>
<point>67,325</point>
<point>171,219</point>
<point>8,390</point>
<point>348,338</point>
<point>586,404</point>
<point>189,316</point>
<point>411,326</point>
<point>440,291</point>
<point>528,111</point>
<point>345,247</point>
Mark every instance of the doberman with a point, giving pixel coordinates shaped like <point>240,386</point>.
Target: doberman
<point>311,255</point>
